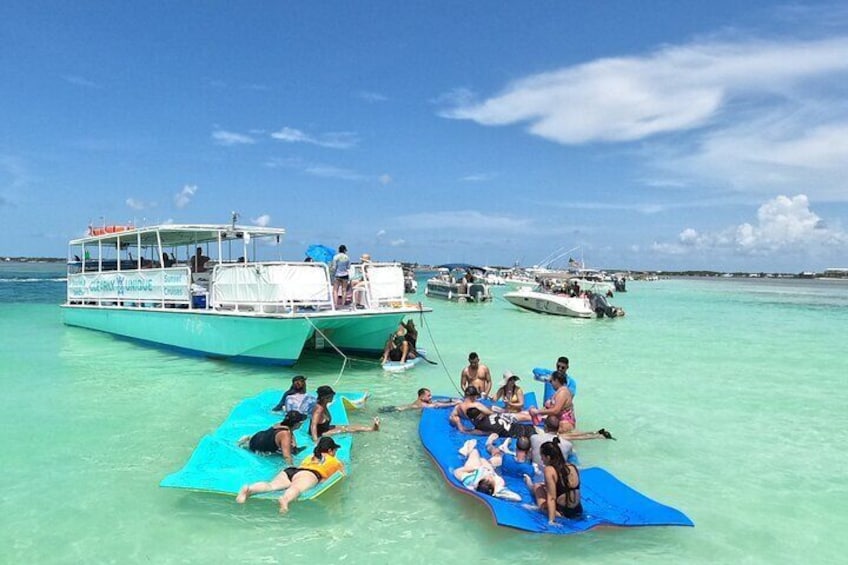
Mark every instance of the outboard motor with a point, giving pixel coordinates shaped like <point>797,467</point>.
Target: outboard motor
<point>620,285</point>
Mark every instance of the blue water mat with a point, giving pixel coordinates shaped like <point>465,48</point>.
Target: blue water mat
<point>606,500</point>
<point>219,465</point>
<point>544,375</point>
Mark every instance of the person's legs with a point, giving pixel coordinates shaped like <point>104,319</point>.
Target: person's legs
<point>303,480</point>
<point>374,427</point>
<point>280,482</point>
<point>404,351</point>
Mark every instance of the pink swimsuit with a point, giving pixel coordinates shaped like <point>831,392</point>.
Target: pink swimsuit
<point>566,415</point>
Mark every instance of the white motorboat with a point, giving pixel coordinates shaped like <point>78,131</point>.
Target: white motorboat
<point>460,283</point>
<point>549,303</point>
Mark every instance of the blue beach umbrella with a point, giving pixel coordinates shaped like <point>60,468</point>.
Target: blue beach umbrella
<point>320,253</point>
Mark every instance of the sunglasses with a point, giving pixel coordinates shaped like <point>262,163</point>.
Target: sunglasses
<point>562,366</point>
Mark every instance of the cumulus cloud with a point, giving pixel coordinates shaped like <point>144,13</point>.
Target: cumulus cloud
<point>136,204</point>
<point>381,233</point>
<point>228,138</point>
<point>327,171</point>
<point>183,197</point>
<point>263,221</point>
<point>783,224</point>
<point>332,140</point>
<point>762,116</point>
<point>397,242</point>
<point>466,220</point>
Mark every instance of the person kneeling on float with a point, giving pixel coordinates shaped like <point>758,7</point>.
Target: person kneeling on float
<point>321,465</point>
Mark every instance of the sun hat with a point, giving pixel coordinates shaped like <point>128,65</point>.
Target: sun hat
<point>510,375</point>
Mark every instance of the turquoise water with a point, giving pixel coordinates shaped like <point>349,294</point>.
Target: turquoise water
<point>728,398</point>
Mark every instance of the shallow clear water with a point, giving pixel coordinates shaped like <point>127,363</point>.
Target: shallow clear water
<point>727,396</point>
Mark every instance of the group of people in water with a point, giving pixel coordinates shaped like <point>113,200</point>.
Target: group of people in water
<point>541,439</point>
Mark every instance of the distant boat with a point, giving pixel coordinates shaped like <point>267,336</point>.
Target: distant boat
<point>550,303</point>
<point>451,282</point>
<point>130,284</point>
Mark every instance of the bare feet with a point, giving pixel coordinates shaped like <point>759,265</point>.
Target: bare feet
<point>491,439</point>
<point>467,447</point>
<point>376,426</point>
<point>244,441</point>
<point>284,505</point>
<point>244,492</point>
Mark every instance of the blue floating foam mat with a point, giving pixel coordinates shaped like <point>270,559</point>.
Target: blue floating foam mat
<point>219,465</point>
<point>606,500</point>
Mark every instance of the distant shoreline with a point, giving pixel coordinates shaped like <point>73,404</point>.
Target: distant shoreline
<point>636,275</point>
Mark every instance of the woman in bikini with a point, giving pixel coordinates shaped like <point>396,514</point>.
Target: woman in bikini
<point>321,423</point>
<point>279,438</point>
<point>561,405</point>
<point>321,465</point>
<point>559,495</point>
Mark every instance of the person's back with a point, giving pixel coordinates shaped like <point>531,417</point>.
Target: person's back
<point>300,402</point>
<point>536,441</point>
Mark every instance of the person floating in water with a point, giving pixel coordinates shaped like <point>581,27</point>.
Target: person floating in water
<point>279,438</point>
<point>321,422</point>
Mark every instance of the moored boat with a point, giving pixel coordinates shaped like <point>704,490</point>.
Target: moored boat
<point>144,284</point>
<point>458,282</point>
<point>536,300</point>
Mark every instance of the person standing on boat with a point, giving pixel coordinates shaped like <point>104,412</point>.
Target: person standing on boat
<point>198,262</point>
<point>476,374</point>
<point>340,269</point>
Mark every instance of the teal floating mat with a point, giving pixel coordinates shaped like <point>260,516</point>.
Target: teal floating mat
<point>219,465</point>
<point>606,500</point>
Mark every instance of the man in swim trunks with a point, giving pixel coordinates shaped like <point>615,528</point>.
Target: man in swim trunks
<point>476,374</point>
<point>424,400</point>
<point>319,466</point>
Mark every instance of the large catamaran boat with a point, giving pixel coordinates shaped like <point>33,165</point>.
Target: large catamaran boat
<point>158,285</point>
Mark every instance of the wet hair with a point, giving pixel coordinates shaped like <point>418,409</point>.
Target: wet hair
<point>293,418</point>
<point>324,445</point>
<point>563,359</point>
<point>551,450</point>
<point>560,377</point>
<point>522,443</point>
<point>486,486</point>
<point>324,391</point>
<point>473,413</point>
<point>472,356</point>
<point>422,391</point>
<point>551,423</point>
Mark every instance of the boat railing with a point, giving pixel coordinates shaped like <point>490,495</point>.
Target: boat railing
<point>270,288</point>
<point>148,288</point>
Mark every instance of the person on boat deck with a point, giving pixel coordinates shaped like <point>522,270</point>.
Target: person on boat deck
<point>358,281</point>
<point>198,261</point>
<point>511,394</point>
<point>478,473</point>
<point>296,397</point>
<point>423,401</point>
<point>167,261</point>
<point>559,494</point>
<point>397,347</point>
<point>515,464</point>
<point>279,438</point>
<point>460,411</point>
<point>340,270</point>
<point>321,423</point>
<point>476,374</point>
<point>501,424</point>
<point>319,466</point>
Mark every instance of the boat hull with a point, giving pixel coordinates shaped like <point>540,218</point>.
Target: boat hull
<point>556,305</point>
<point>277,340</point>
<point>476,292</point>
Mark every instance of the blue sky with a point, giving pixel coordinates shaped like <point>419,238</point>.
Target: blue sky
<point>662,135</point>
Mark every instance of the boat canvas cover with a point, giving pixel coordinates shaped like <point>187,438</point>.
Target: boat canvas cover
<point>606,500</point>
<point>386,283</point>
<point>271,284</point>
<point>219,465</point>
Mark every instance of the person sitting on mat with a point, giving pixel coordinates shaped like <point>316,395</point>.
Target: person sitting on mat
<point>470,400</point>
<point>397,347</point>
<point>559,495</point>
<point>321,465</point>
<point>296,397</point>
<point>279,438</point>
<point>321,424</point>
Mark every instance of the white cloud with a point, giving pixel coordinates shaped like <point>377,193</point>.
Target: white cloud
<point>183,197</point>
<point>228,138</point>
<point>397,242</point>
<point>385,179</point>
<point>783,224</point>
<point>466,220</point>
<point>136,204</point>
<point>262,220</point>
<point>478,177</point>
<point>332,140</point>
<point>327,171</point>
<point>381,233</point>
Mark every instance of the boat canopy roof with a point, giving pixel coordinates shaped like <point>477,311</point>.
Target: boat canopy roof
<point>460,267</point>
<point>180,234</point>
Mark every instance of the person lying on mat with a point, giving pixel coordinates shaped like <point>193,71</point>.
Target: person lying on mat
<point>319,466</point>
<point>279,438</point>
<point>424,400</point>
<point>559,495</point>
<point>321,423</point>
<point>477,473</point>
<point>501,424</point>
<point>470,400</point>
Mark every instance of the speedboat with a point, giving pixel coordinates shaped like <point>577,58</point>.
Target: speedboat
<point>542,302</point>
<point>179,286</point>
<point>459,282</point>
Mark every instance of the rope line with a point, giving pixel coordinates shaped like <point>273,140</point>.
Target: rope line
<point>438,353</point>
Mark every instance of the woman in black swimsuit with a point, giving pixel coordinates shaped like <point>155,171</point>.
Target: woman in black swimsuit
<point>279,438</point>
<point>560,493</point>
<point>322,420</point>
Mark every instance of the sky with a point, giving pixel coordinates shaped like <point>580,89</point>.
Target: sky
<point>665,135</point>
